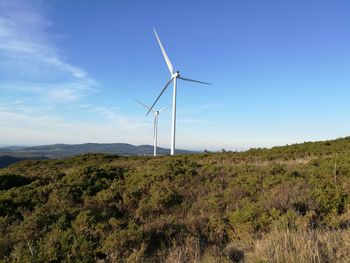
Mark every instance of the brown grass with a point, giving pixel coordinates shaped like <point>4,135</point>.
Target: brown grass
<point>313,246</point>
<point>188,252</point>
<point>278,246</point>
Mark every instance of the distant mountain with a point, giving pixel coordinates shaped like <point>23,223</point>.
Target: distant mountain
<point>58,151</point>
<point>11,148</point>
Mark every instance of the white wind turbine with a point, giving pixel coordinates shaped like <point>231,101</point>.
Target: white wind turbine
<point>155,124</point>
<point>174,76</point>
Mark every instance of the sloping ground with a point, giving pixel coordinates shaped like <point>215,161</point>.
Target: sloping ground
<point>57,151</point>
<point>286,204</point>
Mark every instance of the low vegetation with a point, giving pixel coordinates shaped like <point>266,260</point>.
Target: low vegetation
<point>286,204</point>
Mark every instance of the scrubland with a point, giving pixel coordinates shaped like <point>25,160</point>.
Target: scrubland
<point>285,204</point>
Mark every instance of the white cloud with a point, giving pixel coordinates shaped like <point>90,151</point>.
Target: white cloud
<point>43,95</point>
<point>45,98</point>
<point>27,52</point>
<point>53,129</point>
<point>120,119</point>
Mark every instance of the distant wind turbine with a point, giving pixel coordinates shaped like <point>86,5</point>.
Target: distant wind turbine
<point>174,76</point>
<point>155,124</point>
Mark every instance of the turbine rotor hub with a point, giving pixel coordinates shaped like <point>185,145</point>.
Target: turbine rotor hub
<point>177,74</point>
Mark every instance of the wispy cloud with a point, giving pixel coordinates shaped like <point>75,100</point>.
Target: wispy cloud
<point>45,98</point>
<point>48,129</point>
<point>56,91</point>
<point>120,119</point>
<point>28,53</point>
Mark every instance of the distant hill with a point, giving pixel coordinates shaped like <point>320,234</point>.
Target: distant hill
<point>58,151</point>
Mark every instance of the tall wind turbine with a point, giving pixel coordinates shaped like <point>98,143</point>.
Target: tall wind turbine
<point>155,124</point>
<point>174,76</point>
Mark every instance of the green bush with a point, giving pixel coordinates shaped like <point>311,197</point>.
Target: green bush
<point>212,207</point>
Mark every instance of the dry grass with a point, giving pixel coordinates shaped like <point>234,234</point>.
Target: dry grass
<point>313,246</point>
<point>188,252</point>
<point>297,246</point>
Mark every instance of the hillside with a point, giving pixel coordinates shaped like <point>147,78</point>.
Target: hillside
<point>58,151</point>
<point>285,204</point>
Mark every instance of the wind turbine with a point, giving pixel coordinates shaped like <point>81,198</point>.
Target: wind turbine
<point>155,124</point>
<point>174,76</point>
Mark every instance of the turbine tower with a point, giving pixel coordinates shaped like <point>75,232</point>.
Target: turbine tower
<point>174,76</point>
<point>155,124</point>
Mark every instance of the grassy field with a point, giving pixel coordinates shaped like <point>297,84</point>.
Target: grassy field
<point>286,204</point>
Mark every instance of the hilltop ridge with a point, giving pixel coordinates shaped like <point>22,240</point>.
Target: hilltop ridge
<point>9,155</point>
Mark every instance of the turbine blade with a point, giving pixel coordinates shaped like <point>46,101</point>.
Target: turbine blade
<point>167,60</point>
<point>164,108</point>
<point>144,105</point>
<point>197,81</point>
<point>161,93</point>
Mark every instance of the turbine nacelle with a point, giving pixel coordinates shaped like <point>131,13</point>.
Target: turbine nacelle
<point>176,74</point>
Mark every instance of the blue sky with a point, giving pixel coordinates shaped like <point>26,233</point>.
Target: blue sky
<point>69,71</point>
